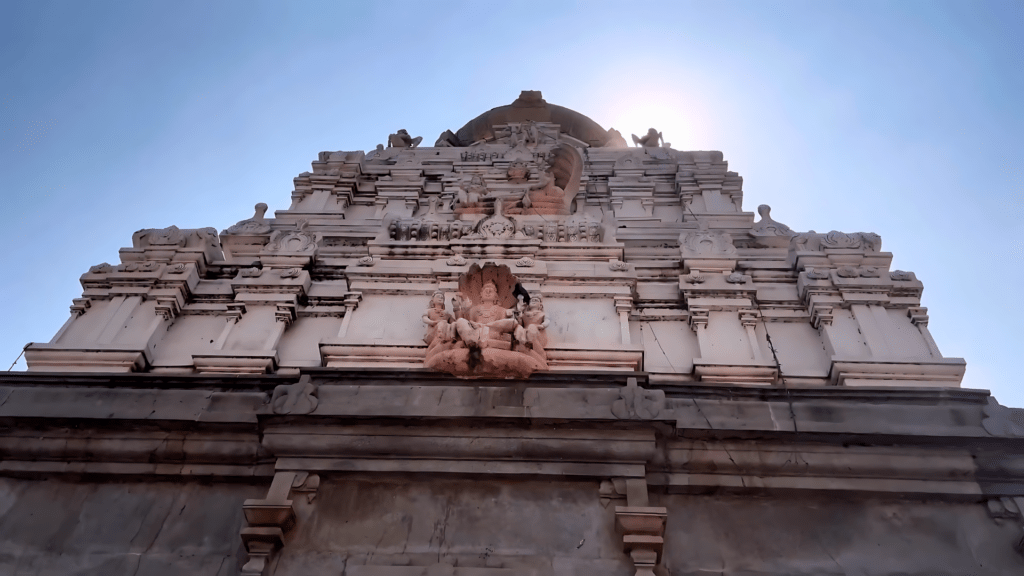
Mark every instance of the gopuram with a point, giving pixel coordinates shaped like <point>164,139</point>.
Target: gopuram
<point>532,349</point>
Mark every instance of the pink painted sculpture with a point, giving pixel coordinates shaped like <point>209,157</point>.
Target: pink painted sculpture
<point>487,333</point>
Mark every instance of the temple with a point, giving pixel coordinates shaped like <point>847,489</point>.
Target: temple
<point>533,348</point>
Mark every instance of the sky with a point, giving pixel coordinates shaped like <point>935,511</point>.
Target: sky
<point>899,118</point>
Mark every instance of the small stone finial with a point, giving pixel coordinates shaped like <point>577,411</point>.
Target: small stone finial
<point>768,233</point>
<point>255,225</point>
<point>652,139</point>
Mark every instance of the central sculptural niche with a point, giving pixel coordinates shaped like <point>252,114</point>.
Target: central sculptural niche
<point>490,331</point>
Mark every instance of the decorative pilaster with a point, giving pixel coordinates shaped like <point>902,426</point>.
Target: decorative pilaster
<point>351,303</point>
<point>919,317</point>
<point>623,306</point>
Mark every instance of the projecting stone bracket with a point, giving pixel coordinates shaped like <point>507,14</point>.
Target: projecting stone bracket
<point>642,525</point>
<point>269,518</point>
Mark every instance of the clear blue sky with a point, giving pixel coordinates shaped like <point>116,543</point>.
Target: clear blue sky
<point>900,118</point>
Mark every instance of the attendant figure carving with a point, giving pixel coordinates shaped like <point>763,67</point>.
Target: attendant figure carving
<point>440,324</point>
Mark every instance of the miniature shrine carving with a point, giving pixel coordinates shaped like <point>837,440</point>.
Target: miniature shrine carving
<point>489,331</point>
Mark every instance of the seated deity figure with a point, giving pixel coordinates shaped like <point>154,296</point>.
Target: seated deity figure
<point>486,320</point>
<point>473,193</point>
<point>402,139</point>
<point>488,332</point>
<point>650,140</point>
<point>440,323</point>
<point>545,197</point>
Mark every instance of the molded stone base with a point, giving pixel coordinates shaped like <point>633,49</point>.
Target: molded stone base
<point>491,362</point>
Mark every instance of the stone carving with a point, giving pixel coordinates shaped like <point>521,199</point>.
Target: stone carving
<point>615,139</point>
<point>447,139</point>
<point>291,273</point>
<point>704,243</point>
<point>736,278</point>
<point>101,268</point>
<point>525,262</point>
<point>531,335</point>
<point>768,233</point>
<point>901,276</point>
<point>650,140</point>
<point>817,274</point>
<point>694,278</point>
<point>170,236</point>
<point>174,237</point>
<point>422,229</point>
<point>1002,421</point>
<point>179,268</point>
<point>299,398</point>
<point>814,242</point>
<point>440,323</point>
<point>255,225</point>
<point>489,331</point>
<point>251,272</point>
<point>518,173</point>
<point>523,135</point>
<point>545,197</point>
<point>618,266</point>
<point>138,267</point>
<point>496,226</point>
<point>471,196</point>
<point>636,403</point>
<point>457,260</point>
<point>366,261</point>
<point>870,272</point>
<point>848,272</point>
<point>297,241</point>
<point>402,140</point>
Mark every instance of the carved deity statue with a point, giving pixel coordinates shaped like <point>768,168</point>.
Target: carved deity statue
<point>470,196</point>
<point>650,140</point>
<point>486,320</point>
<point>531,334</point>
<point>403,140</point>
<point>545,197</point>
<point>486,334</point>
<point>440,323</point>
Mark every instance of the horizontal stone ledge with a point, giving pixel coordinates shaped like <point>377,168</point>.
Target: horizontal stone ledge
<point>697,483</point>
<point>92,358</point>
<point>502,467</point>
<point>447,443</point>
<point>21,467</point>
<point>931,372</point>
